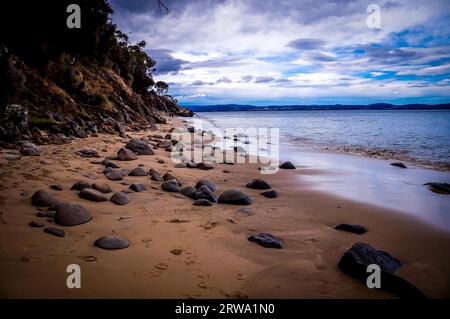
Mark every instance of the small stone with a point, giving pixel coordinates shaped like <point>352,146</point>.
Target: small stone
<point>36,224</point>
<point>87,153</point>
<point>56,187</point>
<point>78,186</point>
<point>234,197</point>
<point>205,193</point>
<point>188,191</point>
<point>245,211</point>
<point>202,202</point>
<point>352,228</point>
<point>45,214</point>
<point>258,184</point>
<point>92,195</point>
<point>204,166</point>
<point>125,154</point>
<point>138,171</point>
<point>120,198</point>
<point>138,187</point>
<point>111,242</point>
<point>102,187</point>
<point>70,214</point>
<point>139,147</point>
<point>440,188</point>
<point>176,252</point>
<point>399,164</point>
<point>162,266</point>
<point>287,165</point>
<point>42,198</point>
<point>266,240</point>
<point>170,185</point>
<point>211,185</point>
<point>269,194</point>
<point>55,231</point>
<point>114,175</point>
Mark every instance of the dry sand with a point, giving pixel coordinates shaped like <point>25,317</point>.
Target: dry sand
<point>216,260</point>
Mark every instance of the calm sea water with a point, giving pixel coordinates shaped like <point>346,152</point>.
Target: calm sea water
<point>421,137</point>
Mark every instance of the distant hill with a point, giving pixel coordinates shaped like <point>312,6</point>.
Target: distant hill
<point>377,106</point>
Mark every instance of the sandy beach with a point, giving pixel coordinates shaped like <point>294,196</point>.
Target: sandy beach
<point>178,250</point>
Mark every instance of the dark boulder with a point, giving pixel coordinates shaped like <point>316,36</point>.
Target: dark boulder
<point>205,193</point>
<point>138,187</point>
<point>204,166</point>
<point>266,240</point>
<point>287,165</point>
<point>440,188</point>
<point>399,164</point>
<point>114,175</point>
<point>92,195</point>
<point>138,171</point>
<point>125,154</point>
<point>42,199</point>
<point>120,198</point>
<point>36,224</point>
<point>170,185</point>
<point>269,194</point>
<point>235,197</point>
<point>139,147</point>
<point>102,187</point>
<point>258,184</point>
<point>80,185</point>
<point>71,214</point>
<point>211,185</point>
<point>352,228</point>
<point>111,242</point>
<point>30,150</point>
<point>188,191</point>
<point>355,261</point>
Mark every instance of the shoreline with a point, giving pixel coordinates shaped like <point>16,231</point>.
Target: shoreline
<point>377,153</point>
<point>217,260</point>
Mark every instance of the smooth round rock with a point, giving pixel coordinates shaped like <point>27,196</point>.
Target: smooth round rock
<point>211,185</point>
<point>140,147</point>
<point>287,165</point>
<point>92,195</point>
<point>120,198</point>
<point>188,191</point>
<point>56,187</point>
<point>138,171</point>
<point>258,184</point>
<point>269,194</point>
<point>125,154</point>
<point>114,175</point>
<point>138,187</point>
<point>111,242</point>
<point>170,185</point>
<point>234,197</point>
<point>204,166</point>
<point>70,214</point>
<point>205,193</point>
<point>266,240</point>
<point>102,187</point>
<point>42,199</point>
<point>78,186</point>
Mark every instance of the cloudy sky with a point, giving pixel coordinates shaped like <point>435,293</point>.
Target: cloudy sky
<point>295,52</point>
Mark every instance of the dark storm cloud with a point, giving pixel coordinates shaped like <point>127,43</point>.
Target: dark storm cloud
<point>306,44</point>
<point>165,63</point>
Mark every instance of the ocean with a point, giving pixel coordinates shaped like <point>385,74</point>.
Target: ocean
<point>419,137</point>
<point>353,150</point>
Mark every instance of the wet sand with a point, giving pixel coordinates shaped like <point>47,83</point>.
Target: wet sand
<point>217,260</point>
